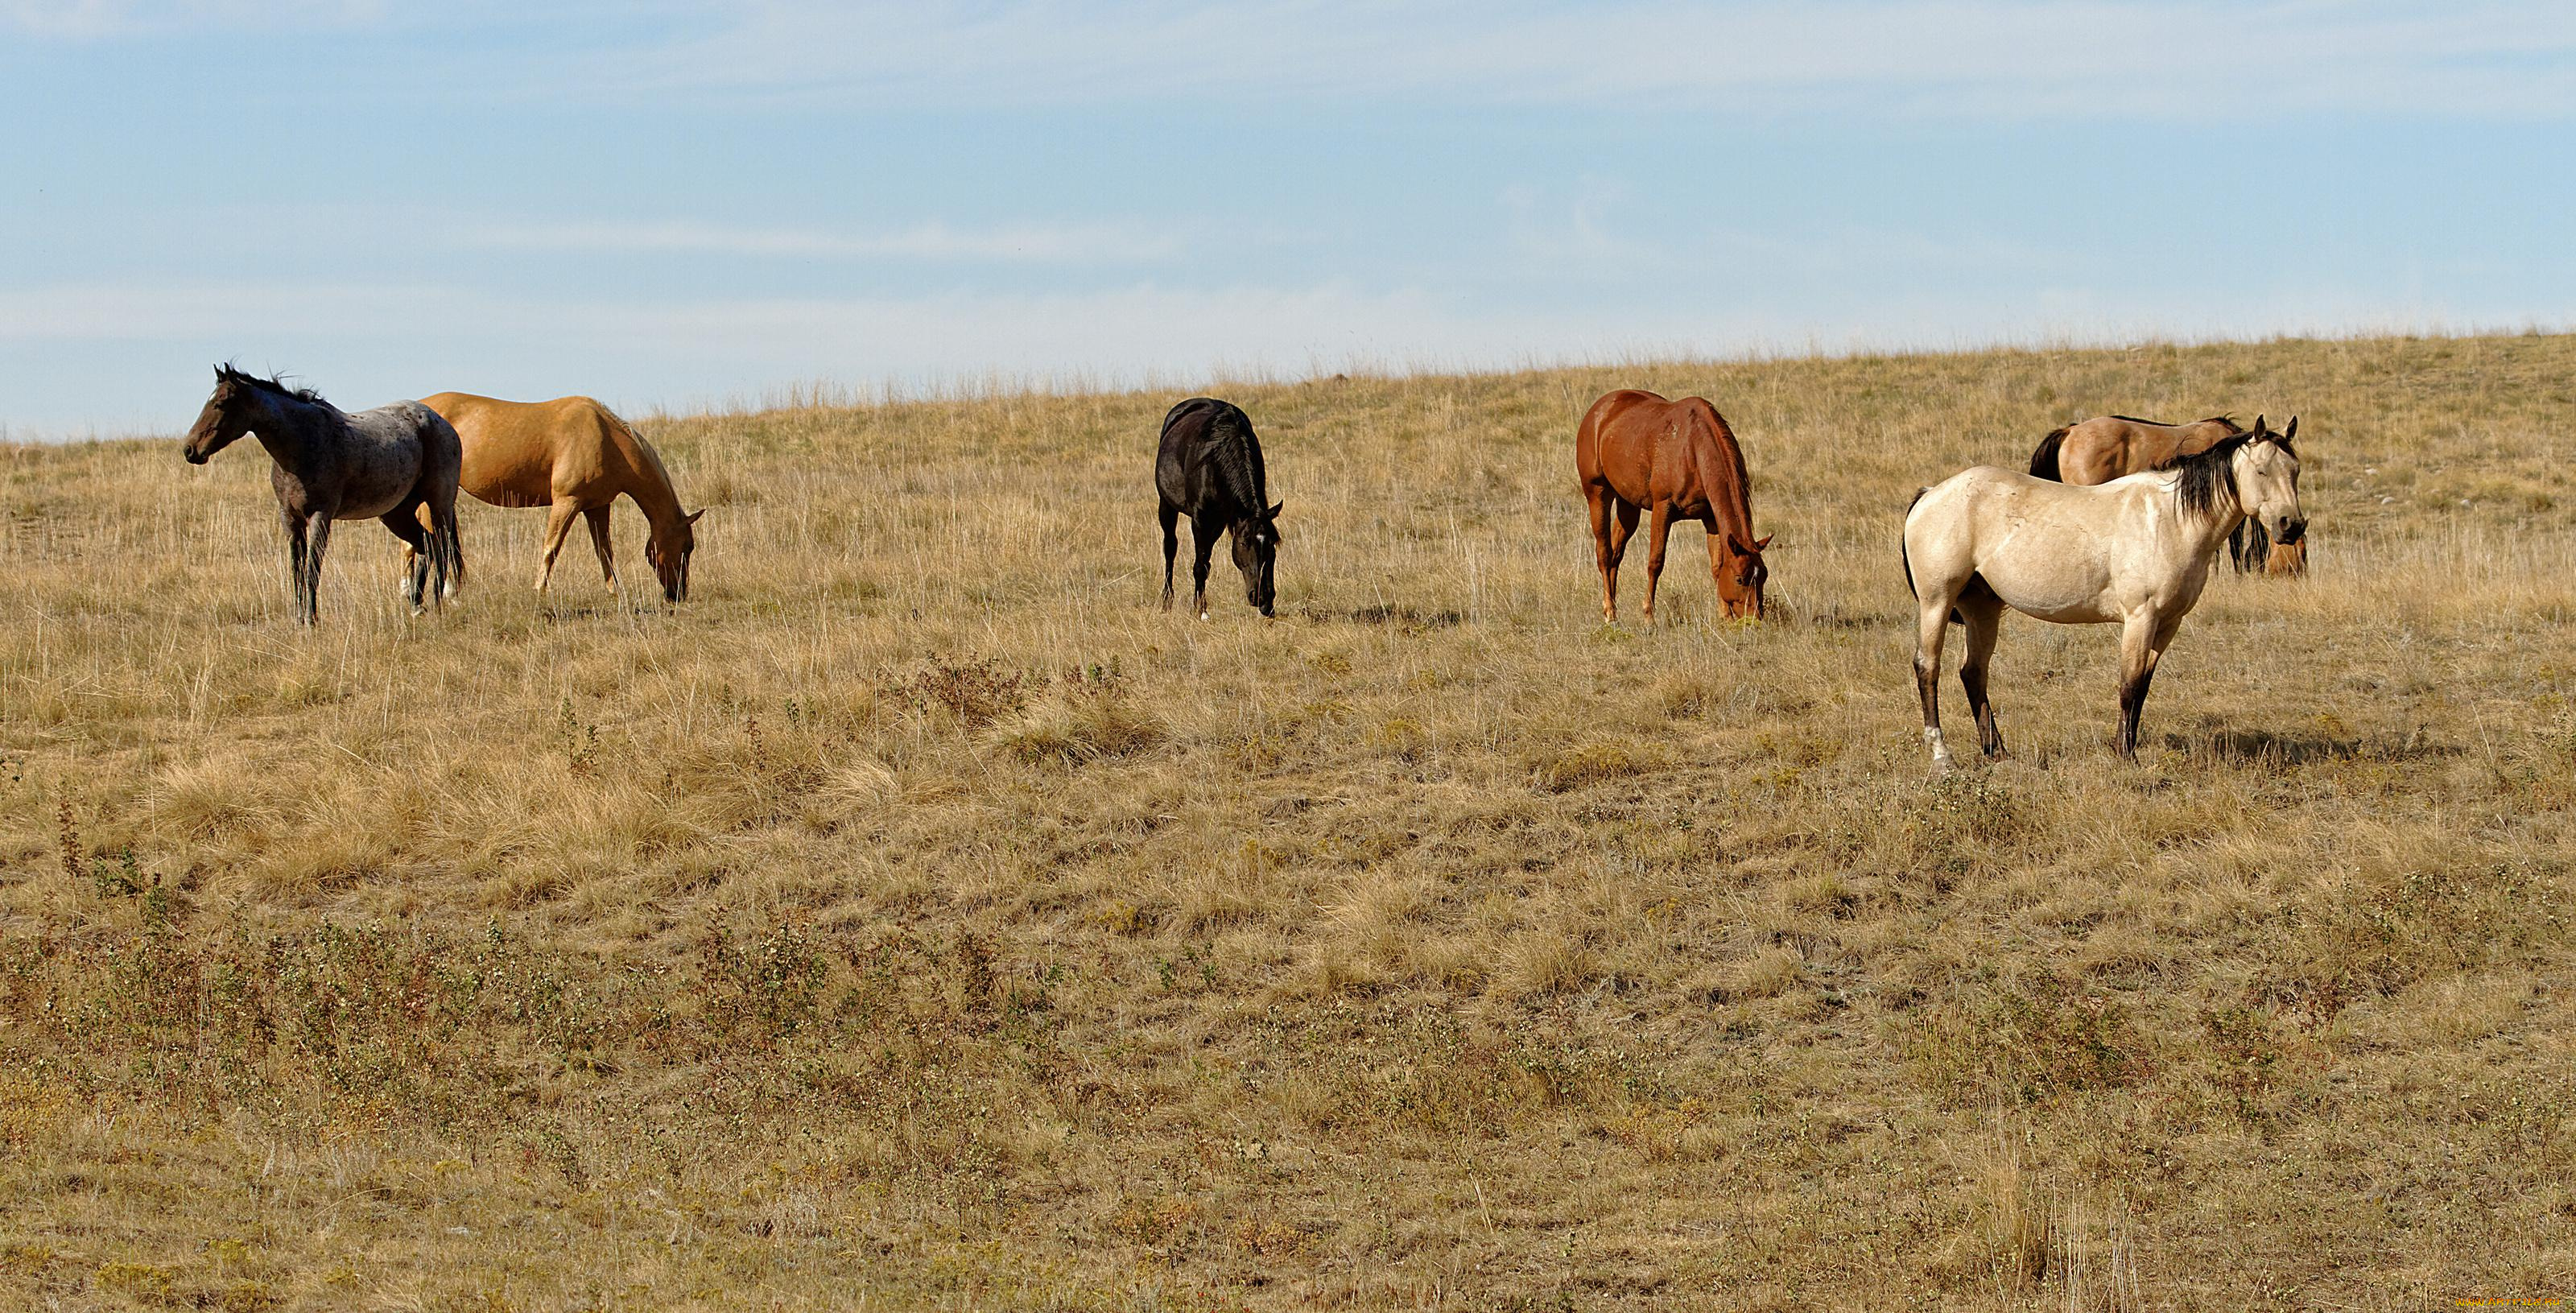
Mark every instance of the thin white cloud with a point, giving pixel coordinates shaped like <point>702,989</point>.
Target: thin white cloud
<point>1015,243</point>
<point>365,344</point>
<point>2103,58</point>
<point>102,19</point>
<point>2010,59</point>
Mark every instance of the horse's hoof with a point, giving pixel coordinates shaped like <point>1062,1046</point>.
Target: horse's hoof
<point>1203,615</point>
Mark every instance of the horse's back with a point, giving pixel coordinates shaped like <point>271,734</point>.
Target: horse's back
<point>1192,432</point>
<point>532,453</point>
<point>1646,450</point>
<point>2108,447</point>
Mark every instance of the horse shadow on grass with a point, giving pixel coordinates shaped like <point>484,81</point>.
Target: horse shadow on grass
<point>1405,618</point>
<point>2253,747</point>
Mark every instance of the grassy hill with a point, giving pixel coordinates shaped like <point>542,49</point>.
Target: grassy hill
<point>920,912</point>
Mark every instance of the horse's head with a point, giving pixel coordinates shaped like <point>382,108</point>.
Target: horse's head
<point>1740,575</point>
<point>1256,553</point>
<point>225,418</point>
<point>2267,481</point>
<point>669,555</point>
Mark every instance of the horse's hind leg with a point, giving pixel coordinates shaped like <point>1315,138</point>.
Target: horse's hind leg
<point>558,527</point>
<point>1614,549</point>
<point>1656,534</point>
<point>1983,618</point>
<point>1932,626</point>
<point>598,517</point>
<point>1171,516</point>
<point>1597,501</point>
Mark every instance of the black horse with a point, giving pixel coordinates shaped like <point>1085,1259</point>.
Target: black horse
<point>1210,469</point>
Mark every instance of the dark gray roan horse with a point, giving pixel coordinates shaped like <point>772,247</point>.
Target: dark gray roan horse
<point>382,464</point>
<point>1209,468</point>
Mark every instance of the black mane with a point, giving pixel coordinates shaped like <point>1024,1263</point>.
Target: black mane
<point>2202,478</point>
<point>306,395</point>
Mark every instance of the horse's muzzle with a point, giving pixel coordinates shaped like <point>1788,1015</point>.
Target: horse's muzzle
<point>2291,532</point>
<point>194,456</point>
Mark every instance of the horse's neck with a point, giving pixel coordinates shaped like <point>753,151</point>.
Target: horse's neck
<point>1722,482</point>
<point>287,432</point>
<point>651,488</point>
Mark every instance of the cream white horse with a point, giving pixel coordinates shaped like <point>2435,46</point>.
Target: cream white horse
<point>2134,552</point>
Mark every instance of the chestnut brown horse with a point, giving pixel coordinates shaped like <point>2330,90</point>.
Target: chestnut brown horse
<point>1638,452</point>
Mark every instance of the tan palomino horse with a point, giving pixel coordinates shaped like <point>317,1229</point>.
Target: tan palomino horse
<point>2109,447</point>
<point>574,457</point>
<point>2134,552</point>
<point>1637,451</point>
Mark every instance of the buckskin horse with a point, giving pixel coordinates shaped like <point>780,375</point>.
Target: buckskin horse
<point>574,457</point>
<point>1636,452</point>
<point>396,464</point>
<point>1209,468</point>
<point>2108,447</point>
<point>2135,552</point>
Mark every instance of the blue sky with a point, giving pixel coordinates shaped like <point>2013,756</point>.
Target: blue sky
<point>677,203</point>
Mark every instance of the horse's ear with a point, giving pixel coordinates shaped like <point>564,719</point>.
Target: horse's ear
<point>2290,433</point>
<point>2257,430</point>
<point>1766,541</point>
<point>696,515</point>
<point>1273,512</point>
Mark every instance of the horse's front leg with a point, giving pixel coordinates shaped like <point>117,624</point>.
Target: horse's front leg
<point>1932,626</point>
<point>318,539</point>
<point>296,548</point>
<point>1660,530</point>
<point>1203,542</point>
<point>2139,649</point>
<point>1171,517</point>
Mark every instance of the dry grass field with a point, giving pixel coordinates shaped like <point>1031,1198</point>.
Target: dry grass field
<point>919,918</point>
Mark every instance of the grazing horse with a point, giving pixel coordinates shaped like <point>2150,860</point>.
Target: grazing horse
<point>1209,468</point>
<point>2252,549</point>
<point>397,464</point>
<point>573,456</point>
<point>2109,447</point>
<point>1636,451</point>
<point>2134,552</point>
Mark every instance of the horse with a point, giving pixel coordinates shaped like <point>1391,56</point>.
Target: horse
<point>1636,450</point>
<point>574,456</point>
<point>2108,447</point>
<point>2135,552</point>
<point>1209,468</point>
<point>2252,549</point>
<point>396,464</point>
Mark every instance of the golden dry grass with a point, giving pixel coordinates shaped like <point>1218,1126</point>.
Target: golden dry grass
<point>920,914</point>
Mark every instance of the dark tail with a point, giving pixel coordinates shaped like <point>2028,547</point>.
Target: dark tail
<point>447,555</point>
<point>2043,462</point>
<point>1901,553</point>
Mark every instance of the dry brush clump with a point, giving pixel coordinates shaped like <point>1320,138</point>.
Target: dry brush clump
<point>921,913</point>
